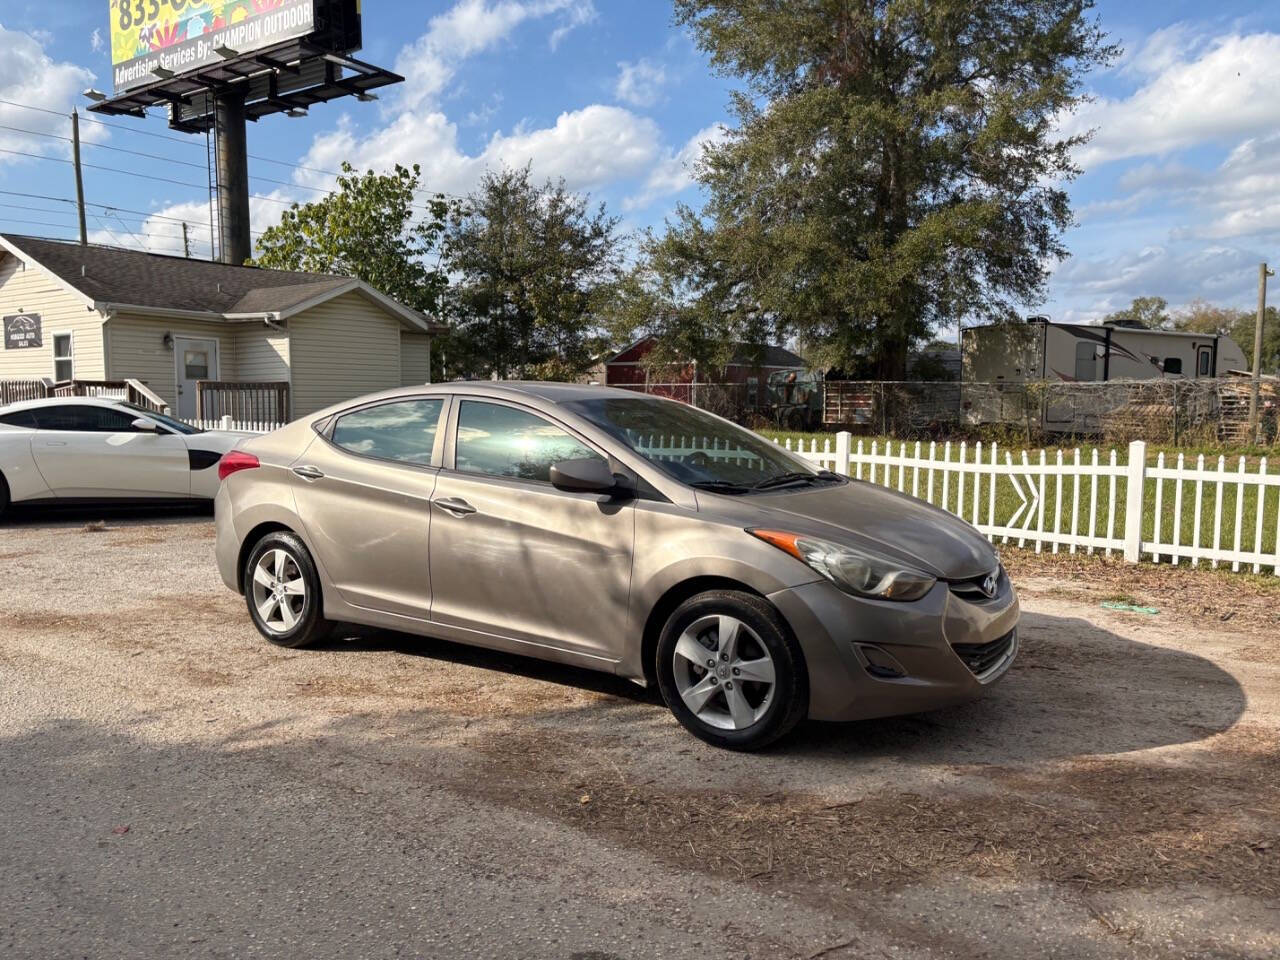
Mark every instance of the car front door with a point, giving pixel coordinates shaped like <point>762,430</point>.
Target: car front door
<point>363,490</point>
<point>96,451</point>
<point>514,557</point>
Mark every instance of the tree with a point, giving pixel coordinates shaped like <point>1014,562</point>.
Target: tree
<point>1202,317</point>
<point>895,165</point>
<point>1149,312</point>
<point>370,227</point>
<point>533,265</point>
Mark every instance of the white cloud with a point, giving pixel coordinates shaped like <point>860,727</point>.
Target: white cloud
<point>1192,92</point>
<point>675,172</point>
<point>95,40</point>
<point>577,15</point>
<point>588,148</point>
<point>640,84</point>
<point>470,27</point>
<point>29,75</point>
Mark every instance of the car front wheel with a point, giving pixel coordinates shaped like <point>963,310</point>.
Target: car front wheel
<point>730,670</point>
<point>282,590</point>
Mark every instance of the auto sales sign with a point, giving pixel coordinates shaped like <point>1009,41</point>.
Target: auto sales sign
<point>22,331</point>
<point>185,35</point>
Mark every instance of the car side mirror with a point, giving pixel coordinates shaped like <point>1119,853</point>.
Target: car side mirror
<point>143,425</point>
<point>583,476</point>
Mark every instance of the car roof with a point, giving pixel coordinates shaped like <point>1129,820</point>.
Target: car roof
<point>548,392</point>
<point>62,402</point>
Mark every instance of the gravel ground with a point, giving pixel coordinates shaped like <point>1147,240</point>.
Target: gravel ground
<point>174,786</point>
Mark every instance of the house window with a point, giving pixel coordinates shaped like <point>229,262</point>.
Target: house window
<point>1173,365</point>
<point>63,366</point>
<point>753,393</point>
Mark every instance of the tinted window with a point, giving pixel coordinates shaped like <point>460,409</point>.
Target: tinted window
<point>688,444</point>
<point>404,431</point>
<point>21,418</point>
<point>505,442</point>
<point>85,419</point>
<point>1204,363</point>
<point>1173,365</point>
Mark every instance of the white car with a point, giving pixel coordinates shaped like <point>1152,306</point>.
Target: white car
<point>82,449</point>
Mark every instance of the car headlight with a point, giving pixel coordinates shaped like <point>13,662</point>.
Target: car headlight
<point>856,572</point>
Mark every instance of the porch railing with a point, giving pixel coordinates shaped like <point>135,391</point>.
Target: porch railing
<point>134,391</point>
<point>248,402</point>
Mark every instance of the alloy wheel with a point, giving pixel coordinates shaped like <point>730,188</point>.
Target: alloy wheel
<point>723,672</point>
<point>279,590</point>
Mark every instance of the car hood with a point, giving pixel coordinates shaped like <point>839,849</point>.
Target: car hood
<point>872,517</point>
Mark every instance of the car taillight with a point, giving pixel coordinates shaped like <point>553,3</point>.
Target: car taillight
<point>234,462</point>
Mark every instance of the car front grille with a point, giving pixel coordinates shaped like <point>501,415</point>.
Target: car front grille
<point>973,588</point>
<point>983,659</point>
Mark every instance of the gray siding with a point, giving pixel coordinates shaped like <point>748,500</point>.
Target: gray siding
<point>415,359</point>
<point>342,349</point>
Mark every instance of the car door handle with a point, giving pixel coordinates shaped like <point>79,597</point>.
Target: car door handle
<point>455,505</point>
<point>55,443</point>
<point>309,473</point>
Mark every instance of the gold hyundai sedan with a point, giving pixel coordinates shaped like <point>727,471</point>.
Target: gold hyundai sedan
<point>620,532</point>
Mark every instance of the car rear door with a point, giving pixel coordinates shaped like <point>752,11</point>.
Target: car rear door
<point>95,451</point>
<point>513,556</point>
<point>363,490</point>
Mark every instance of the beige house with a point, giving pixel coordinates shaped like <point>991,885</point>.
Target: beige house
<point>206,338</point>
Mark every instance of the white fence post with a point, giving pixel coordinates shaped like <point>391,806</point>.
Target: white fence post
<point>1135,489</point>
<point>226,422</point>
<point>844,440</point>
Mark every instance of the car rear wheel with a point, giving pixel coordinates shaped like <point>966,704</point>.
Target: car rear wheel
<point>282,590</point>
<point>4,495</point>
<point>731,672</point>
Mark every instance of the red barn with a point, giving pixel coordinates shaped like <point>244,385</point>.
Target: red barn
<point>748,371</point>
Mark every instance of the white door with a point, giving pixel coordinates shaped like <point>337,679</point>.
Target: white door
<point>196,360</point>
<point>94,451</point>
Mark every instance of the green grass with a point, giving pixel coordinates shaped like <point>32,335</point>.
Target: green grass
<point>1252,497</point>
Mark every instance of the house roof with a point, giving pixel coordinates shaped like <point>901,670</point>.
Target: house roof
<point>744,355</point>
<point>111,277</point>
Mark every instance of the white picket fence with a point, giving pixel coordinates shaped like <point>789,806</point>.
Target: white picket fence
<point>1171,512</point>
<point>227,423</point>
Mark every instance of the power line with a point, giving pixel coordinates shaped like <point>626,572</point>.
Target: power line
<point>142,214</point>
<point>103,146</point>
<point>101,123</point>
<point>98,166</point>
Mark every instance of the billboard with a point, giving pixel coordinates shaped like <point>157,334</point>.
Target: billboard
<point>184,36</point>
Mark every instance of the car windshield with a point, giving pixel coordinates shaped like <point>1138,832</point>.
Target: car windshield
<point>177,426</point>
<point>694,447</point>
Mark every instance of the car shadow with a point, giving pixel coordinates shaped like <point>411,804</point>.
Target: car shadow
<point>357,639</point>
<point>54,514</point>
<point>1076,689</point>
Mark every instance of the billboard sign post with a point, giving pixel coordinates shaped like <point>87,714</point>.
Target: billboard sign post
<point>215,64</point>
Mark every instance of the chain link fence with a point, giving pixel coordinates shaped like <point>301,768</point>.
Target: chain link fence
<point>1199,412</point>
<point>1169,411</point>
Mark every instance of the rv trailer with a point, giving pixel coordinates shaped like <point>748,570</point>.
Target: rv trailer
<point>1068,353</point>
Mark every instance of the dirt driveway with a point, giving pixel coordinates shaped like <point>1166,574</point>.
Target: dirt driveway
<point>172,785</point>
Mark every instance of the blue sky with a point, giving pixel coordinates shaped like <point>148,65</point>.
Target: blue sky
<point>1181,195</point>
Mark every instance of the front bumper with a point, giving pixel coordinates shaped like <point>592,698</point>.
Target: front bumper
<point>848,641</point>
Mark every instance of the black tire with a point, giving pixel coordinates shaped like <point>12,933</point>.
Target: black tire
<point>4,496</point>
<point>788,702</point>
<point>310,625</point>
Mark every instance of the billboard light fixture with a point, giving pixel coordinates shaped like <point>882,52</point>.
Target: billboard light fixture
<point>226,53</point>
<point>164,73</point>
<point>96,95</point>
<point>366,97</point>
<point>296,112</point>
